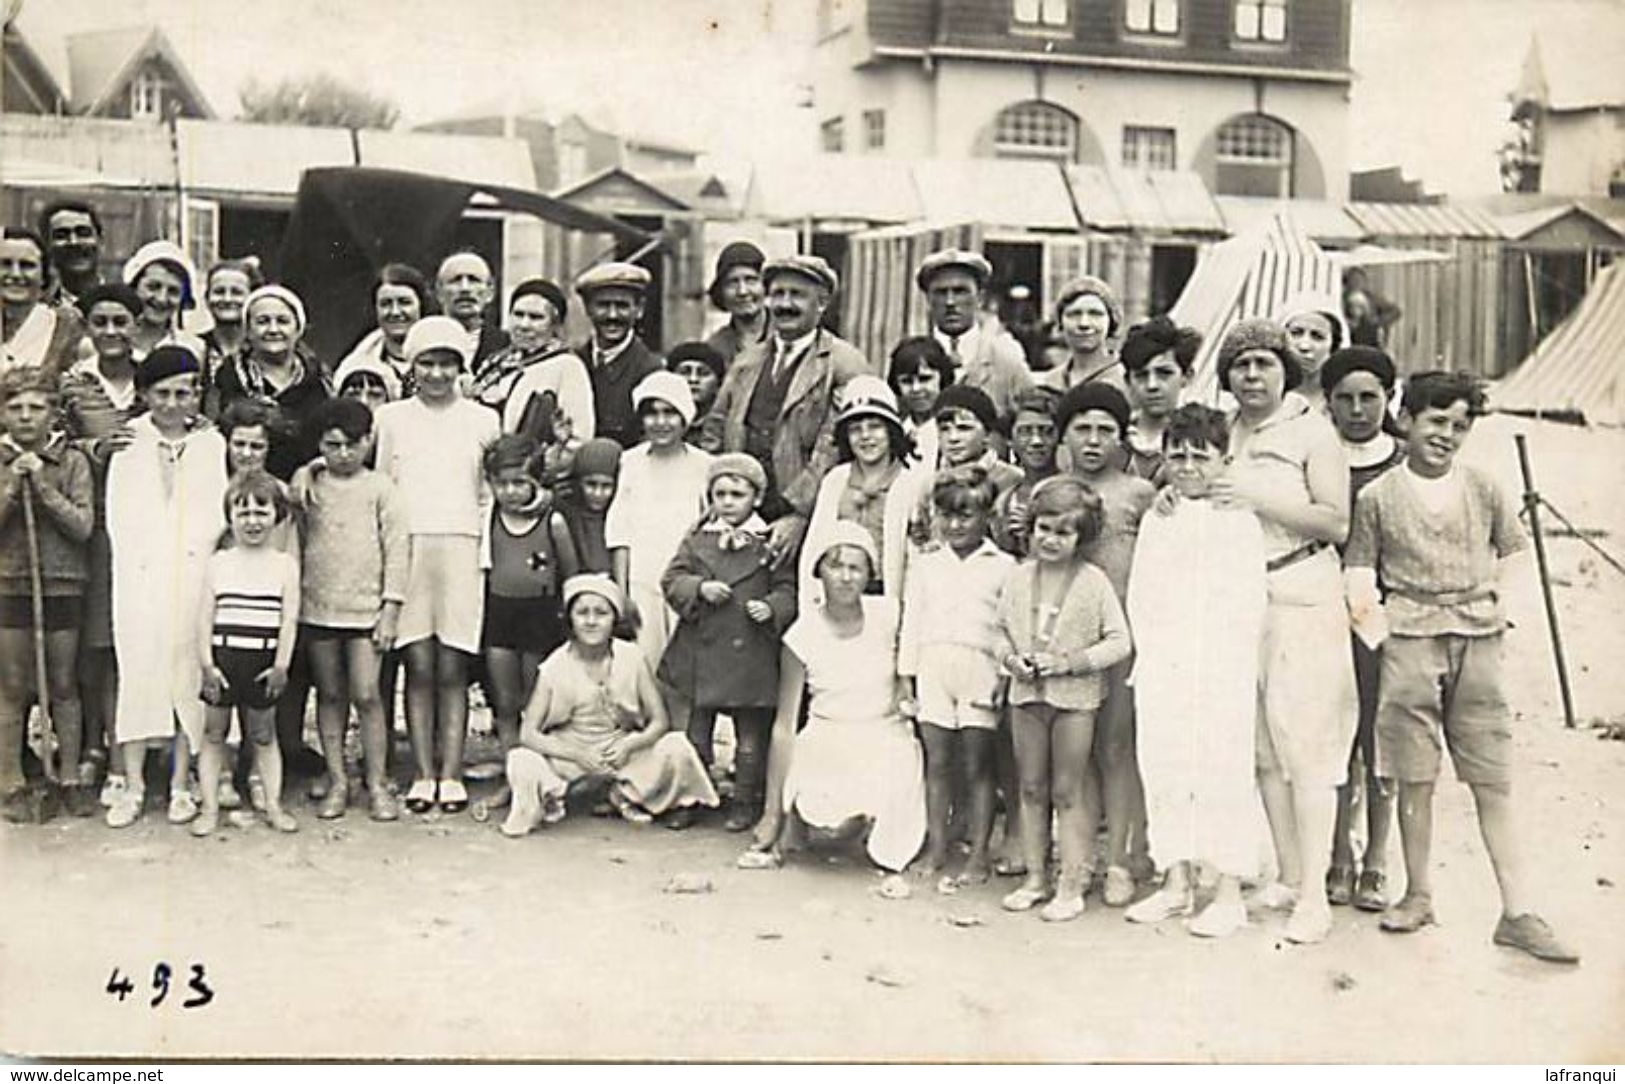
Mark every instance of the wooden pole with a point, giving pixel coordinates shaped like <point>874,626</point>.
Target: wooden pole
<point>36,590</point>
<point>1531,503</point>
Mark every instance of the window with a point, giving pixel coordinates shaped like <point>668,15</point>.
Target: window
<point>832,135</point>
<point>1149,148</point>
<point>1261,20</point>
<point>1254,158</point>
<point>572,161</point>
<point>874,129</point>
<point>1035,130</point>
<point>1152,16</point>
<point>1041,14</point>
<point>147,96</point>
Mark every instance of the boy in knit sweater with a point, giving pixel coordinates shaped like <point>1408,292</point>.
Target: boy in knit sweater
<point>1436,535</point>
<point>354,583</point>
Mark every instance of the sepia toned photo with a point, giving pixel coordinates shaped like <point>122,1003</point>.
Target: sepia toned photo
<point>887,531</point>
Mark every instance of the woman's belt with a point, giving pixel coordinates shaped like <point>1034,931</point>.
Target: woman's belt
<point>1292,557</point>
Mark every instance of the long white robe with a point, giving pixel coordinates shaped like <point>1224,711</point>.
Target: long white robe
<point>1196,602</point>
<point>161,546</point>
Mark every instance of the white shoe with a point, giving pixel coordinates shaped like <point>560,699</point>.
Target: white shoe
<point>182,807</point>
<point>1062,908</point>
<point>1160,906</point>
<point>1275,896</point>
<point>1310,923</point>
<point>1218,920</point>
<point>125,810</point>
<point>523,814</point>
<point>114,787</point>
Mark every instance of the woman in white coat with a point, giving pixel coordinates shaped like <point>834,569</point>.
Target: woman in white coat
<point>877,484</point>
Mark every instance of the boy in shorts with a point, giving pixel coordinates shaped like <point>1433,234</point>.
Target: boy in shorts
<point>354,574</point>
<point>1435,533</point>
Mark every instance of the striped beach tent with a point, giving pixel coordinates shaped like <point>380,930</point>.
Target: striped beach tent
<point>1251,274</point>
<point>1578,371</point>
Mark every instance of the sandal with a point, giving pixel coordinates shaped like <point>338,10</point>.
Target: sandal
<point>182,807</point>
<point>382,806</point>
<point>1218,920</point>
<point>453,796</point>
<point>630,811</point>
<point>1063,908</point>
<point>1408,915</point>
<point>205,823</point>
<point>1340,886</point>
<point>1119,890</point>
<point>1162,905</point>
<point>1010,867</point>
<point>421,797</point>
<point>894,886</point>
<point>1024,899</point>
<point>257,797</point>
<point>334,804</point>
<point>1372,893</point>
<point>281,820</point>
<point>755,859</point>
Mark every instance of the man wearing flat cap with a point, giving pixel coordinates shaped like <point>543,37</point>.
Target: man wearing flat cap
<point>985,356</point>
<point>777,403</point>
<point>617,358</point>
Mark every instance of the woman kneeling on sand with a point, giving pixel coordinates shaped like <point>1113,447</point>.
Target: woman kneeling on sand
<point>596,714</point>
<point>856,765</point>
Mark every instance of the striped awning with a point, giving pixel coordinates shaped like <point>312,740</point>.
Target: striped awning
<point>1251,274</point>
<point>1579,369</point>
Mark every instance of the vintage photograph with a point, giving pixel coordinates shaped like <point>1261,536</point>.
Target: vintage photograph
<point>929,531</point>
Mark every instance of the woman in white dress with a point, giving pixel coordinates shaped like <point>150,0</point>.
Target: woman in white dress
<point>856,763</point>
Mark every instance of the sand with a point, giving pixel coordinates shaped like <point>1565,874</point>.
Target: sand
<point>441,938</point>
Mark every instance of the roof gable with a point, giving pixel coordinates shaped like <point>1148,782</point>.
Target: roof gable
<point>102,63</point>
<point>29,85</point>
<point>614,189</point>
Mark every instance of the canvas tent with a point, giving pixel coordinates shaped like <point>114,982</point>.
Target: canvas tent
<point>1578,371</point>
<point>1250,274</point>
<point>349,222</point>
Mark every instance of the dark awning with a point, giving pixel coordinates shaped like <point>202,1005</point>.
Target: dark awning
<point>348,222</point>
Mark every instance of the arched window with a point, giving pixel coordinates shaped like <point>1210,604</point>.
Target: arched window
<point>1254,157</point>
<point>1035,130</point>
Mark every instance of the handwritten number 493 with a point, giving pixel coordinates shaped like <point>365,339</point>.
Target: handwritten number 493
<point>120,986</point>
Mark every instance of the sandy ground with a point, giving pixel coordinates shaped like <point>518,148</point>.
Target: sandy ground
<point>440,938</point>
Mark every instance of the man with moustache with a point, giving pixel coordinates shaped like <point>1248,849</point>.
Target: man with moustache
<point>465,287</point>
<point>777,403</point>
<point>73,241</point>
<point>954,283</point>
<point>617,359</point>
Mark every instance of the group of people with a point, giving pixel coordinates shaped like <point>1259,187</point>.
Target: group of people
<point>927,593</point>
